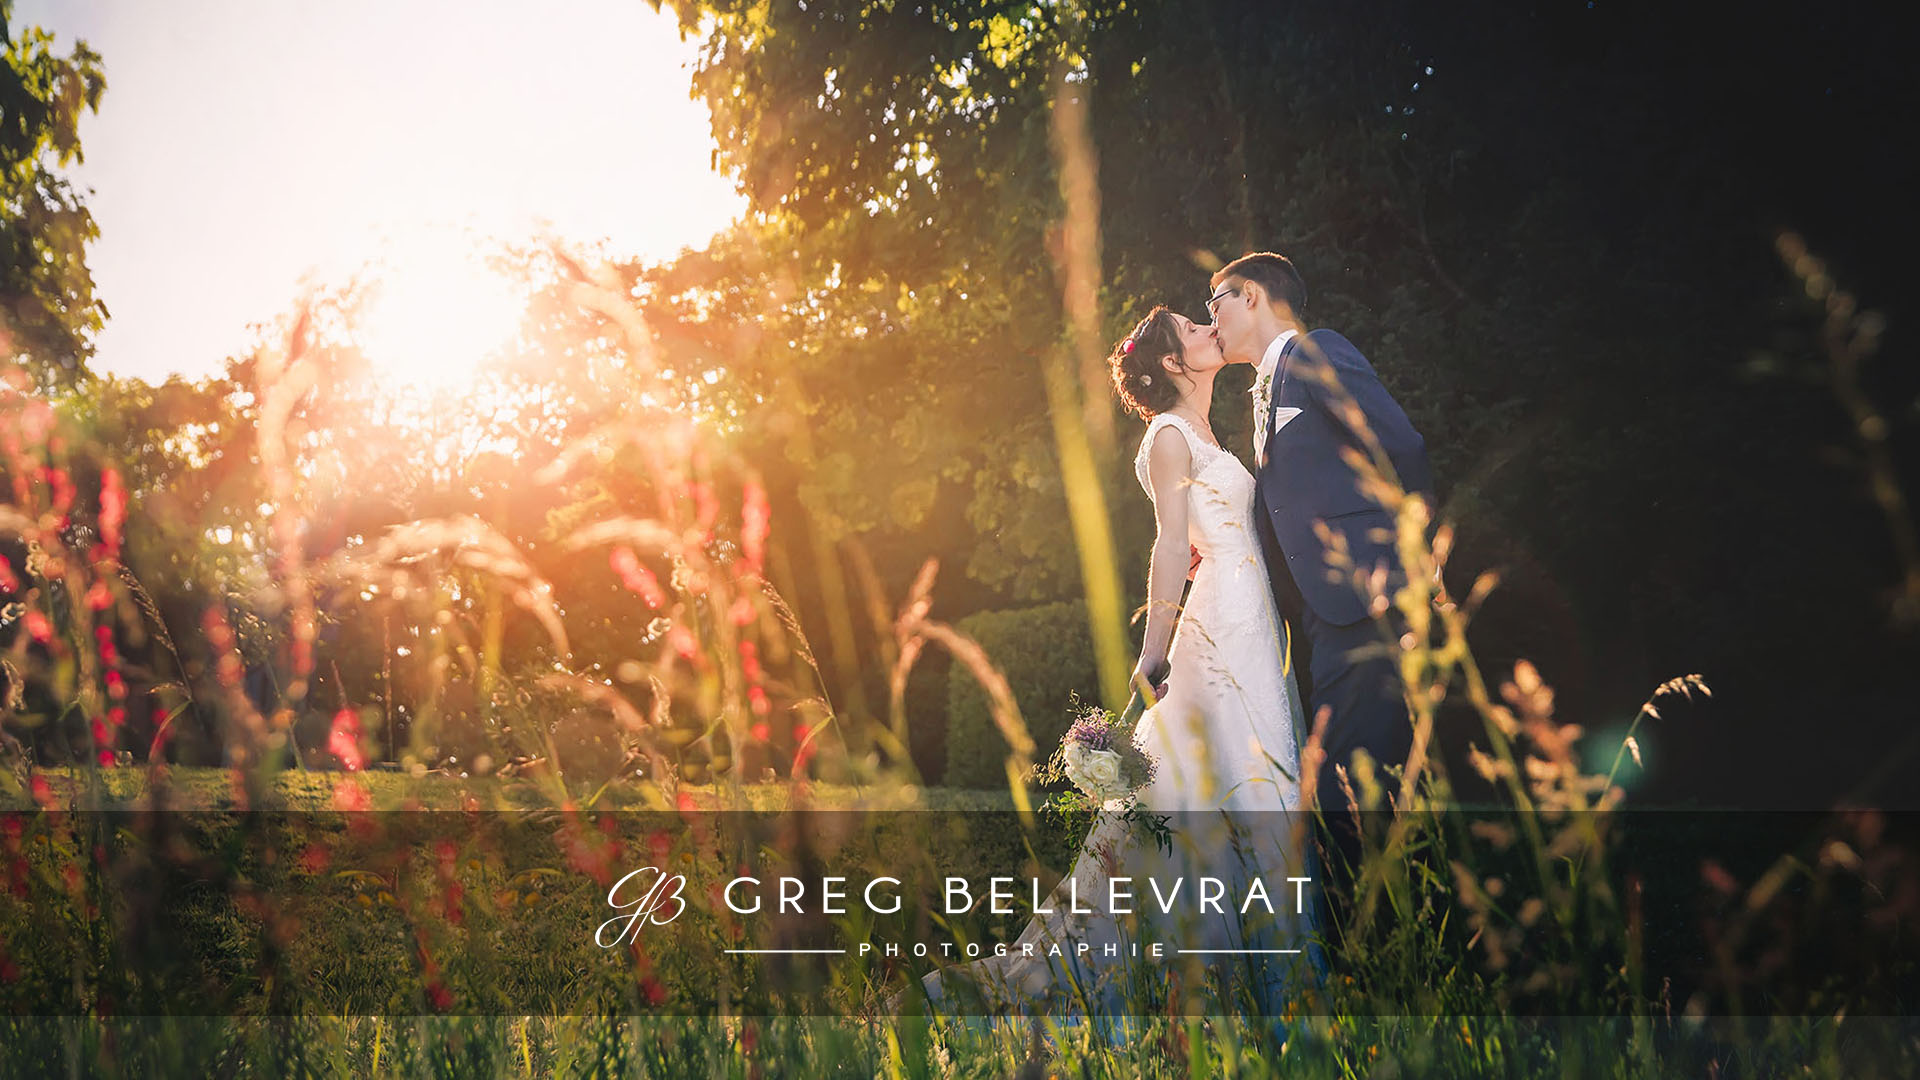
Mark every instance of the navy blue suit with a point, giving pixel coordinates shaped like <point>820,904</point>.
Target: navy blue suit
<point>1345,661</point>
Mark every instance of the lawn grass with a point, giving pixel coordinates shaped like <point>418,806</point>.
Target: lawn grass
<point>345,952</point>
<point>199,788</point>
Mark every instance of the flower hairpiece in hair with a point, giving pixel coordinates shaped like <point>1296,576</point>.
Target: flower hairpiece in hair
<point>1146,380</point>
<point>1126,346</point>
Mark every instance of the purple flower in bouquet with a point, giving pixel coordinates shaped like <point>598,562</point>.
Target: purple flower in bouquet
<point>1092,733</point>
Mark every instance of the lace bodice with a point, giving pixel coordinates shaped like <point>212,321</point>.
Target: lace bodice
<point>1219,496</point>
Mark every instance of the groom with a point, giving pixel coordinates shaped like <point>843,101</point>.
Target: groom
<point>1344,661</point>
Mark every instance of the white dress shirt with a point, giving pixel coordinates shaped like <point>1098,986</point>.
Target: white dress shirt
<point>1263,394</point>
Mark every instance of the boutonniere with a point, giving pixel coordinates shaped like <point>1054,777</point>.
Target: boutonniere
<point>1266,384</point>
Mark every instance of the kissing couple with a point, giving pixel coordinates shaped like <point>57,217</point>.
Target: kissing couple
<point>1268,624</point>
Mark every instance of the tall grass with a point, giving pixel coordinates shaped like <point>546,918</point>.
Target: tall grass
<point>1476,945</point>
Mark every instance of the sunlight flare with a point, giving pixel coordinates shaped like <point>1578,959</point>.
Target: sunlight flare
<point>436,314</point>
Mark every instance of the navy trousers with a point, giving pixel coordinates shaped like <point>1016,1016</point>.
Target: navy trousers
<point>1353,672</point>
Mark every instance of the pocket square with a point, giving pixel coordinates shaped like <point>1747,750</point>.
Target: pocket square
<point>1282,415</point>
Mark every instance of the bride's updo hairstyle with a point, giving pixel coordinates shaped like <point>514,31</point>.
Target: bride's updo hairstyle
<point>1142,382</point>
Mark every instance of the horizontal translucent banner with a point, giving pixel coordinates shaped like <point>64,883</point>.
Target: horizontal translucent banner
<point>964,913</point>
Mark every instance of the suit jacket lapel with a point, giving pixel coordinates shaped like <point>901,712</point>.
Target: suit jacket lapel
<point>1273,400</point>
<point>1284,367</point>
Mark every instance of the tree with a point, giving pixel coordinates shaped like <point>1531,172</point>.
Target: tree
<point>48,313</point>
<point>1544,231</point>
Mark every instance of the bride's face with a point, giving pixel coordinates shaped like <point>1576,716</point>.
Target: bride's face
<point>1233,318</point>
<point>1199,345</point>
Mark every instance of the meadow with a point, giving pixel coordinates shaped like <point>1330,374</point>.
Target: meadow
<point>352,943</point>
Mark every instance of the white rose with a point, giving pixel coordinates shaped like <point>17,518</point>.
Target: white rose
<point>1102,770</point>
<point>1074,757</point>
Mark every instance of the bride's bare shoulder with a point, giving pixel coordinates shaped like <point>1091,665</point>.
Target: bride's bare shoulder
<point>1167,452</point>
<point>1163,437</point>
<point>1165,458</point>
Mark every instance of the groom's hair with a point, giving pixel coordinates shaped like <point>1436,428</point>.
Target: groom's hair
<point>1274,273</point>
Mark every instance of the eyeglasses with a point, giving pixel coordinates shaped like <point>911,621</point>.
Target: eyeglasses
<point>1214,300</point>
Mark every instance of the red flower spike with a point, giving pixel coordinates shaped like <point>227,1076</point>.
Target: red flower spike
<point>113,508</point>
<point>343,741</point>
<point>755,521</point>
<point>159,744</point>
<point>742,611</point>
<point>315,859</point>
<point>635,576</point>
<point>63,491</point>
<point>682,641</point>
<point>348,794</point>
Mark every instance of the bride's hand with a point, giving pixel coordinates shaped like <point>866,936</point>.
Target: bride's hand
<point>1152,675</point>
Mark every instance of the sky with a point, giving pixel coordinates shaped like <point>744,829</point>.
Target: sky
<point>243,145</point>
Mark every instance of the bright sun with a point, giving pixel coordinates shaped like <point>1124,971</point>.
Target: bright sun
<point>438,311</point>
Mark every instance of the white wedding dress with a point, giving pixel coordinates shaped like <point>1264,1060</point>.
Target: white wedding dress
<point>1226,742</point>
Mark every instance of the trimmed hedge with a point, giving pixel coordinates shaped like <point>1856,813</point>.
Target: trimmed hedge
<point>1046,653</point>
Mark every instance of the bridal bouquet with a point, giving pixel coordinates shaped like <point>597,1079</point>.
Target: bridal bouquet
<point>1099,757</point>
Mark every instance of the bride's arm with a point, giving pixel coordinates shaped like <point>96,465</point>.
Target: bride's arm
<point>1168,464</point>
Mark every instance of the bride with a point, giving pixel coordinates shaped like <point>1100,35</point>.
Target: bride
<point>1223,735</point>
